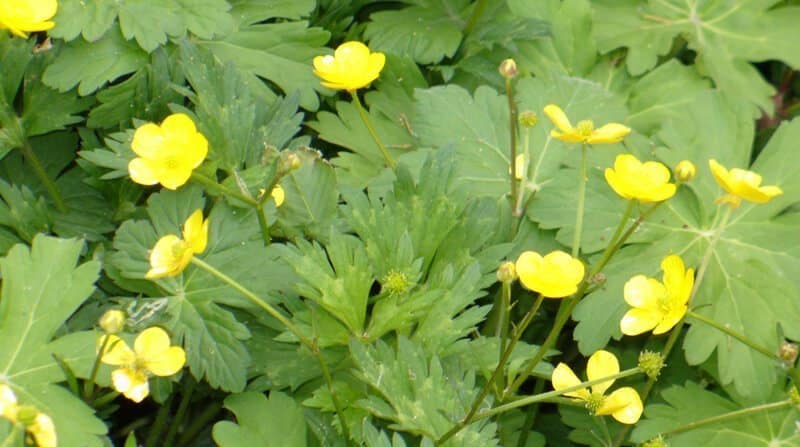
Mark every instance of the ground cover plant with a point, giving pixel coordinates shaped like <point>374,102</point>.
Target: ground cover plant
<point>427,223</point>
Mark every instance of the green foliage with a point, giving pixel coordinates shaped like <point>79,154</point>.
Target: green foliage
<point>42,286</point>
<point>274,422</point>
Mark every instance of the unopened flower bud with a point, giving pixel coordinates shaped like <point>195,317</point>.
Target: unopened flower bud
<point>528,118</point>
<point>599,278</point>
<point>656,442</point>
<point>507,272</point>
<point>788,352</point>
<point>508,68</point>
<point>685,171</point>
<point>651,363</point>
<point>289,162</point>
<point>112,321</point>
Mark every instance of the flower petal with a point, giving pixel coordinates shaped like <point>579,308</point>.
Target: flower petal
<point>721,175</point>
<point>623,404</point>
<point>639,321</point>
<point>643,292</point>
<point>148,140</point>
<point>564,377</point>
<point>116,352</point>
<point>601,364</point>
<point>168,362</point>
<point>168,257</point>
<point>559,118</point>
<point>610,133</point>
<point>279,195</point>
<point>195,232</point>
<point>43,431</point>
<point>142,172</point>
<point>151,343</point>
<point>131,383</point>
<point>178,124</point>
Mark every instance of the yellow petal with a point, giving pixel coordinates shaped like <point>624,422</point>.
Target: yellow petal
<point>623,404</point>
<point>519,165</point>
<point>142,172</point>
<point>610,133</point>
<point>131,383</point>
<point>617,183</point>
<point>151,342</point>
<point>670,319</point>
<point>168,362</point>
<point>559,118</point>
<point>178,124</point>
<point>645,293</point>
<point>601,364</point>
<point>278,194</point>
<point>195,232</point>
<point>563,377</point>
<point>147,140</point>
<point>639,321</point>
<point>43,431</point>
<point>169,257</point>
<point>8,401</point>
<point>556,275</point>
<point>24,16</point>
<point>116,351</point>
<point>721,175</point>
<point>174,172</point>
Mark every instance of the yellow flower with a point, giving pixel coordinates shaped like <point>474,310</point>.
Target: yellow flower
<point>172,254</point>
<point>634,180</point>
<point>623,404</point>
<point>658,306</point>
<point>555,275</point>
<point>43,431</point>
<point>741,184</point>
<point>151,355</point>
<point>584,132</point>
<point>351,67</point>
<point>24,16</point>
<point>168,153</point>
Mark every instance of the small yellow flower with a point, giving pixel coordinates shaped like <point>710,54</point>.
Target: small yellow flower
<point>656,305</point>
<point>555,275</point>
<point>151,355</point>
<point>43,431</point>
<point>623,404</point>
<point>685,171</point>
<point>279,195</point>
<point>584,132</point>
<point>172,254</point>
<point>25,16</point>
<point>168,153</point>
<point>634,180</point>
<point>741,184</point>
<point>351,67</point>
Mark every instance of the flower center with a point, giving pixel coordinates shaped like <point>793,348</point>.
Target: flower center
<point>594,402</point>
<point>171,164</point>
<point>585,128</point>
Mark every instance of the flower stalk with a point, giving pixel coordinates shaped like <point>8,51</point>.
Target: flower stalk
<point>582,180</point>
<point>365,118</point>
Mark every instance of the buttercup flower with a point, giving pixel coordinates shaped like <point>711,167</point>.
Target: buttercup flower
<point>43,431</point>
<point>634,180</point>
<point>172,254</point>
<point>25,16</point>
<point>168,153</point>
<point>555,275</point>
<point>584,132</point>
<point>658,306</point>
<point>151,355</point>
<point>351,67</point>
<point>741,184</point>
<point>623,404</point>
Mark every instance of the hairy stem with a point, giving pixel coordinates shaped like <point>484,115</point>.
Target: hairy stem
<point>365,118</point>
<point>730,332</point>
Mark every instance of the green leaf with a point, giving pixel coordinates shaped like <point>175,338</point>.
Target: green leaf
<point>274,422</point>
<point>426,30</point>
<point>690,403</point>
<point>419,393</point>
<point>311,204</point>
<point>42,287</point>
<point>726,35</point>
<point>91,65</point>
<point>280,52</point>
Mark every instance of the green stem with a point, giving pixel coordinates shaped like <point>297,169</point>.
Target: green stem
<point>728,416</point>
<point>477,12</point>
<point>38,169</point>
<point>530,418</point>
<point>503,328</point>
<point>676,331</point>
<point>262,223</point>
<point>289,325</point>
<point>512,129</point>
<point>105,399</point>
<point>566,308</point>
<point>158,425</point>
<point>518,208</point>
<point>199,423</point>
<point>213,184</point>
<point>365,117</point>
<point>734,334</point>
<point>88,386</point>
<point>186,398</point>
<point>12,437</point>
<point>500,369</point>
<point>550,394</point>
<point>576,238</point>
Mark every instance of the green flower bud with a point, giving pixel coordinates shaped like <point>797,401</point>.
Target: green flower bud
<point>788,352</point>
<point>651,363</point>
<point>528,118</point>
<point>112,321</point>
<point>685,171</point>
<point>507,272</point>
<point>508,68</point>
